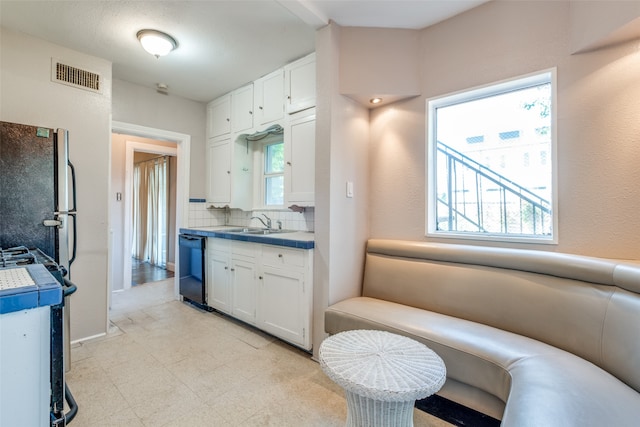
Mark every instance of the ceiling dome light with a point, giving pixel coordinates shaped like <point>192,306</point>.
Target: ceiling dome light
<point>156,42</point>
<point>375,100</point>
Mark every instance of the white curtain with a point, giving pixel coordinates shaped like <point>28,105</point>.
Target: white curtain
<point>151,211</point>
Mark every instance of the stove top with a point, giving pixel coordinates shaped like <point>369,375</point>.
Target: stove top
<point>21,256</point>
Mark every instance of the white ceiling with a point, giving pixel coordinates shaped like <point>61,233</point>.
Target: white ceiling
<point>223,44</point>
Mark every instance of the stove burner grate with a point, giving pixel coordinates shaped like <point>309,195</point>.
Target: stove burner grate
<point>17,256</point>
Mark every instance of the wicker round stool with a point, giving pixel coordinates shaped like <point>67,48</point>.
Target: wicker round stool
<point>382,375</point>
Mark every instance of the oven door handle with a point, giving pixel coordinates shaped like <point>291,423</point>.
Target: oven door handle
<point>69,287</point>
<point>73,406</point>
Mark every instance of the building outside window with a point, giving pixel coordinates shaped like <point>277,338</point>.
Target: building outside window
<point>478,185</point>
<point>273,176</point>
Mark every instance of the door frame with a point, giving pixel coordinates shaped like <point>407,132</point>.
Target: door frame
<point>182,152</point>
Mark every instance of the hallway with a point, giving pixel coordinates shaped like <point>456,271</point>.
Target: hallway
<point>143,272</point>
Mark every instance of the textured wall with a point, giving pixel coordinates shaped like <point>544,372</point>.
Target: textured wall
<point>598,124</point>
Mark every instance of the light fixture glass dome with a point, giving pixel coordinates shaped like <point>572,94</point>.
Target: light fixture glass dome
<point>156,42</point>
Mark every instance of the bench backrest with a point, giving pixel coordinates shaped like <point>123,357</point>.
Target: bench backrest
<point>587,306</point>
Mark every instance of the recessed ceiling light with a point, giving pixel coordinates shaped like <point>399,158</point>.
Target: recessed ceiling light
<point>375,100</point>
<point>156,42</point>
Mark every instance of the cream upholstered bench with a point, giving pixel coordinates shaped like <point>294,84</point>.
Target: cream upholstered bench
<point>529,337</point>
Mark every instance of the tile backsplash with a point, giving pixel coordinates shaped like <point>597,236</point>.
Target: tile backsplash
<point>200,216</point>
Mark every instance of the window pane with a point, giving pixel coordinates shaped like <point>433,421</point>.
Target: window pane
<point>274,190</point>
<point>483,186</point>
<point>274,158</point>
<point>274,174</point>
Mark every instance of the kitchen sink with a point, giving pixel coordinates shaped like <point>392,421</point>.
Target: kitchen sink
<point>257,231</point>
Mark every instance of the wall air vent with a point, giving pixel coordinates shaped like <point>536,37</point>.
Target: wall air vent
<point>76,77</point>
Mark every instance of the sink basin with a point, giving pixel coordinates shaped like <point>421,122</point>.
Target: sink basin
<point>257,231</point>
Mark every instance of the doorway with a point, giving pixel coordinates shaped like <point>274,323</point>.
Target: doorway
<point>122,171</point>
<point>153,216</point>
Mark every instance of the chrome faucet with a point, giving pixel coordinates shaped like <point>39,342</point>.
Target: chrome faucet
<point>266,224</point>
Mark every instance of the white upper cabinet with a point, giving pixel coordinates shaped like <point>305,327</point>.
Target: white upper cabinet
<point>219,171</point>
<point>219,116</point>
<point>269,98</point>
<point>229,173</point>
<point>299,178</point>
<point>285,97</point>
<point>242,108</point>
<point>300,84</point>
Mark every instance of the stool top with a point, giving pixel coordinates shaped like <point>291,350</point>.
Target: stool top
<point>381,365</point>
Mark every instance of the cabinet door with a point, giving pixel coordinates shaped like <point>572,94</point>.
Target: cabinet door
<point>283,308</point>
<point>300,161</point>
<point>242,108</point>
<point>300,84</point>
<point>219,286</point>
<point>243,273</point>
<point>219,171</point>
<point>269,94</point>
<point>219,117</point>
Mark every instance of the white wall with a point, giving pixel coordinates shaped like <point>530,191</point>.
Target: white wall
<point>341,223</point>
<point>598,23</point>
<point>28,96</point>
<point>145,107</point>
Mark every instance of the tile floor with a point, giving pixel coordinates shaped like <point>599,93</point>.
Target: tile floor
<point>165,363</point>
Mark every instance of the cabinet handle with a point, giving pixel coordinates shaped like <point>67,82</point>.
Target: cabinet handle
<point>228,119</point>
<point>288,96</point>
<point>289,163</point>
<point>226,268</point>
<point>279,255</point>
<point>233,269</point>
<point>260,107</point>
<point>229,172</point>
<point>260,277</point>
<point>250,112</point>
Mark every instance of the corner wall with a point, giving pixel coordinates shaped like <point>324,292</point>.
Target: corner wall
<point>598,128</point>
<point>341,223</point>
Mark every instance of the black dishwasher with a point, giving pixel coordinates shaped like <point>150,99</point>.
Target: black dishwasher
<point>192,268</point>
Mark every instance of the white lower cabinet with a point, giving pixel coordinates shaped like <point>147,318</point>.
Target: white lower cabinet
<point>282,304</point>
<point>218,277</point>
<point>244,284</point>
<point>267,286</point>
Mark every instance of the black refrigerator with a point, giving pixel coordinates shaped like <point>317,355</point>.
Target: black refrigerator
<point>37,191</point>
<point>38,226</point>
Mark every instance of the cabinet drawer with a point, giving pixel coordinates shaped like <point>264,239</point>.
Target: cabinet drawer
<point>244,248</point>
<point>276,256</point>
<point>217,244</point>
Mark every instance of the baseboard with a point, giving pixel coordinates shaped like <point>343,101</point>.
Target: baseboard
<point>89,338</point>
<point>454,413</point>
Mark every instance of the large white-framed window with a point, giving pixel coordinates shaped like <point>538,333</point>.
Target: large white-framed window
<point>273,174</point>
<point>491,162</point>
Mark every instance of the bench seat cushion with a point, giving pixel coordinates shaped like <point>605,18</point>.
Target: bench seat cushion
<point>545,386</point>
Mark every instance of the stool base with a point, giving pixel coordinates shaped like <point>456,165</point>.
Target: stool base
<point>366,412</point>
